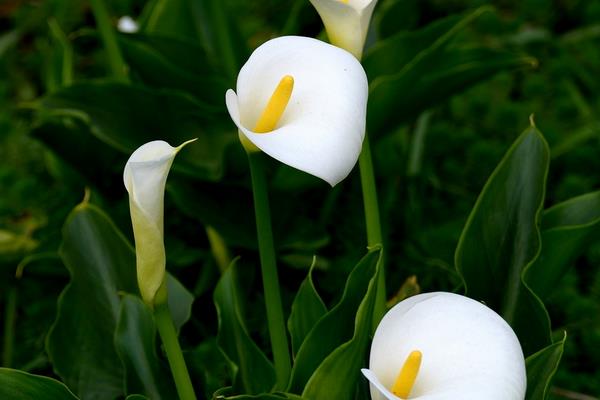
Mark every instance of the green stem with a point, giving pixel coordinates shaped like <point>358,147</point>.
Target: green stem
<point>279,342</point>
<point>115,59</point>
<point>9,326</point>
<point>167,332</point>
<point>374,234</point>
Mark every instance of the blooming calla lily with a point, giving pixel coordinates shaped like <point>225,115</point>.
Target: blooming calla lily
<point>145,176</point>
<point>443,346</point>
<point>304,103</point>
<point>346,22</point>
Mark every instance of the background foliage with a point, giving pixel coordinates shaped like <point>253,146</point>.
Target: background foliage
<point>444,111</point>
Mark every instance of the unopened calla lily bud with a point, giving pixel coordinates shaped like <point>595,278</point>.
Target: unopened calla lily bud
<point>443,346</point>
<point>346,22</point>
<point>304,103</point>
<point>145,176</point>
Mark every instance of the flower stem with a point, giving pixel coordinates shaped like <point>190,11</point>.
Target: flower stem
<point>279,341</point>
<point>115,59</point>
<point>374,234</point>
<point>167,332</point>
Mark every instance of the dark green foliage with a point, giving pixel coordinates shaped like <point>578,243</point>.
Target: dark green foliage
<point>451,85</point>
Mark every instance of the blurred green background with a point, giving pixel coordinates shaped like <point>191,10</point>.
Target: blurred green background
<point>427,186</point>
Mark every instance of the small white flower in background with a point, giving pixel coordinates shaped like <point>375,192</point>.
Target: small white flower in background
<point>145,176</point>
<point>346,22</point>
<point>126,24</point>
<point>320,104</point>
<point>443,346</point>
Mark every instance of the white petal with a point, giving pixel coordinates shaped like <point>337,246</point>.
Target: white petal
<point>145,176</point>
<point>469,352</point>
<point>378,391</point>
<point>346,23</point>
<point>323,126</point>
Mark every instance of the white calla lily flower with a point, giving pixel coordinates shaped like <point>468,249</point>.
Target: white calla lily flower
<point>315,120</point>
<point>145,176</point>
<point>346,22</point>
<point>443,346</point>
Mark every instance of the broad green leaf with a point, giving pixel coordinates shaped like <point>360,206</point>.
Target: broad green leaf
<point>136,397</point>
<point>208,21</point>
<point>337,326</point>
<point>567,229</point>
<point>255,371</point>
<point>419,78</point>
<point>80,343</point>
<point>347,360</point>
<point>307,310</point>
<point>124,117</point>
<point>19,385</point>
<point>389,56</point>
<point>541,367</point>
<point>169,63</point>
<point>135,338</point>
<point>501,239</point>
<point>102,265</point>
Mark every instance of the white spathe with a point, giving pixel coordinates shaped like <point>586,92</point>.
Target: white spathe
<point>469,351</point>
<point>346,22</point>
<point>322,129</point>
<point>145,176</point>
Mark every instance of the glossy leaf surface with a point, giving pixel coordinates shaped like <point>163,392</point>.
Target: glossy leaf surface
<point>102,265</point>
<point>501,239</point>
<point>347,360</point>
<point>541,367</point>
<point>568,228</point>
<point>255,372</point>
<point>19,385</point>
<point>307,309</point>
<point>337,326</point>
<point>125,117</point>
<point>135,341</point>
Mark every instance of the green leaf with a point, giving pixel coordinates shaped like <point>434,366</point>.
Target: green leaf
<point>124,117</point>
<point>180,301</point>
<point>208,22</point>
<point>80,343</point>
<point>264,396</point>
<point>19,385</point>
<point>347,360</point>
<point>337,326</point>
<point>568,229</point>
<point>501,239</point>
<point>255,371</point>
<point>136,397</point>
<point>102,265</point>
<point>208,362</point>
<point>541,367</point>
<point>307,310</point>
<point>411,72</point>
<point>168,63</point>
<point>135,341</point>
